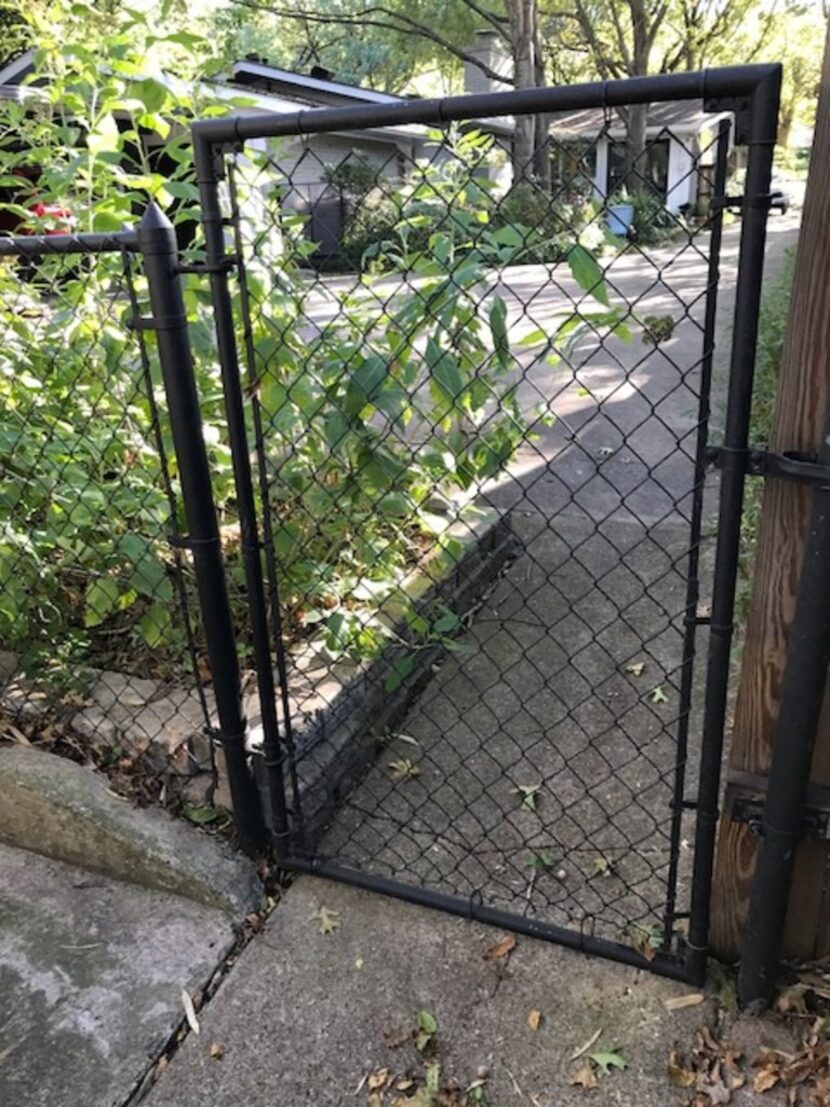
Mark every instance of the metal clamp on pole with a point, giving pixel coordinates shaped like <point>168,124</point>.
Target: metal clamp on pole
<point>157,243</point>
<point>792,465</point>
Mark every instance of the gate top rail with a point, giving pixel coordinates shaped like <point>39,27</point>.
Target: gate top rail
<point>707,84</point>
<point>35,245</point>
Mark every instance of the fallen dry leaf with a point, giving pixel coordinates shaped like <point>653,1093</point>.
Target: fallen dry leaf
<point>396,1037</point>
<point>586,1077</point>
<point>216,1051</point>
<point>765,1079</point>
<point>377,1079</point>
<point>190,1012</point>
<point>501,948</point>
<point>679,1075</point>
<point>534,1019</point>
<point>328,918</point>
<point>403,769</point>
<point>677,1003</point>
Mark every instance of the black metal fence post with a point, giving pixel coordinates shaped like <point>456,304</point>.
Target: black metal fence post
<point>217,266</point>
<point>157,244</point>
<point>764,104</point>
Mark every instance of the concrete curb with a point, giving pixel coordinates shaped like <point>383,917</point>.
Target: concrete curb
<point>336,749</point>
<point>60,809</point>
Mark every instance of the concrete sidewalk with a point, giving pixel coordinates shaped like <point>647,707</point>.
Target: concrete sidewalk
<point>91,976</point>
<point>308,1017</point>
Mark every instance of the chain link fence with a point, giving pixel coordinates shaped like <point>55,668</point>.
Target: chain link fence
<point>103,659</point>
<point>422,438</point>
<point>477,396</point>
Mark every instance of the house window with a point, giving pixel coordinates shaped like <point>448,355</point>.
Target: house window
<point>653,171</point>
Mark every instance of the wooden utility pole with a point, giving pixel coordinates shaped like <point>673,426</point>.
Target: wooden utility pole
<point>801,403</point>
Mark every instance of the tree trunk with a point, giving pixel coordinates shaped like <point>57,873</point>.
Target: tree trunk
<point>637,115</point>
<point>522,15</point>
<point>541,157</point>
<point>802,398</point>
<point>636,169</point>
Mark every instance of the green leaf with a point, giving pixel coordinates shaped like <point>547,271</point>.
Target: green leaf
<point>149,576</point>
<point>201,813</point>
<point>101,600</point>
<point>400,671</point>
<point>534,338</point>
<point>498,328</point>
<point>364,385</point>
<point>607,1061</point>
<point>587,273</point>
<point>156,625</point>
<point>446,375</point>
<point>151,93</point>
<point>542,861</point>
<point>446,623</point>
<point>528,794</point>
<point>427,1021</point>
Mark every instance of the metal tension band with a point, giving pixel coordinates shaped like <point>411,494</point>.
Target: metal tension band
<point>792,465</point>
<point>222,265</point>
<point>156,322</point>
<point>183,542</point>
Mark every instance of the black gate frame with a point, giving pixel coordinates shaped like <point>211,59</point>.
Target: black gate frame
<point>752,94</point>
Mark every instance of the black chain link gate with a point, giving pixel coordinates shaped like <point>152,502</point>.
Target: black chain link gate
<point>469,419</point>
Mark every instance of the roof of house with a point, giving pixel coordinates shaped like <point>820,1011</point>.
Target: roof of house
<point>288,91</point>
<point>249,99</point>
<point>305,88</point>
<point>679,117</point>
<point>14,70</point>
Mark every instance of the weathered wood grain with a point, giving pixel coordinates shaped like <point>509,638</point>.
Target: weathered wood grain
<point>801,404</point>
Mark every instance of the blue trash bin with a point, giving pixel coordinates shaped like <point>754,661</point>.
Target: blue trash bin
<point>620,218</point>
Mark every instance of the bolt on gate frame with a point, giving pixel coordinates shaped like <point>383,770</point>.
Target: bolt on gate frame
<point>750,94</point>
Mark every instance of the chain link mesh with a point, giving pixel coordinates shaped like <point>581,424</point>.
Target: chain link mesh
<point>478,403</point>
<point>102,658</point>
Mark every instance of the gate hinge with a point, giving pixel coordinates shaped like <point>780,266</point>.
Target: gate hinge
<point>740,106</point>
<point>758,462</point>
<point>744,803</point>
<point>769,201</point>
<point>727,203</point>
<point>815,821</point>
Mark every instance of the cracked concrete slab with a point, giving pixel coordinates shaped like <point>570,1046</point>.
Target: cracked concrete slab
<point>91,975</point>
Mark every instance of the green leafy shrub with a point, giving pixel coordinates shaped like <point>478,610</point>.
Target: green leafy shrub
<point>549,225</point>
<point>369,417</point>
<point>772,329</point>
<point>653,222</point>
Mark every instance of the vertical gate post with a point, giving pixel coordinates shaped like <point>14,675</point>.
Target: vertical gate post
<point>217,265</point>
<point>802,400</point>
<point>764,106</point>
<point>157,244</point>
